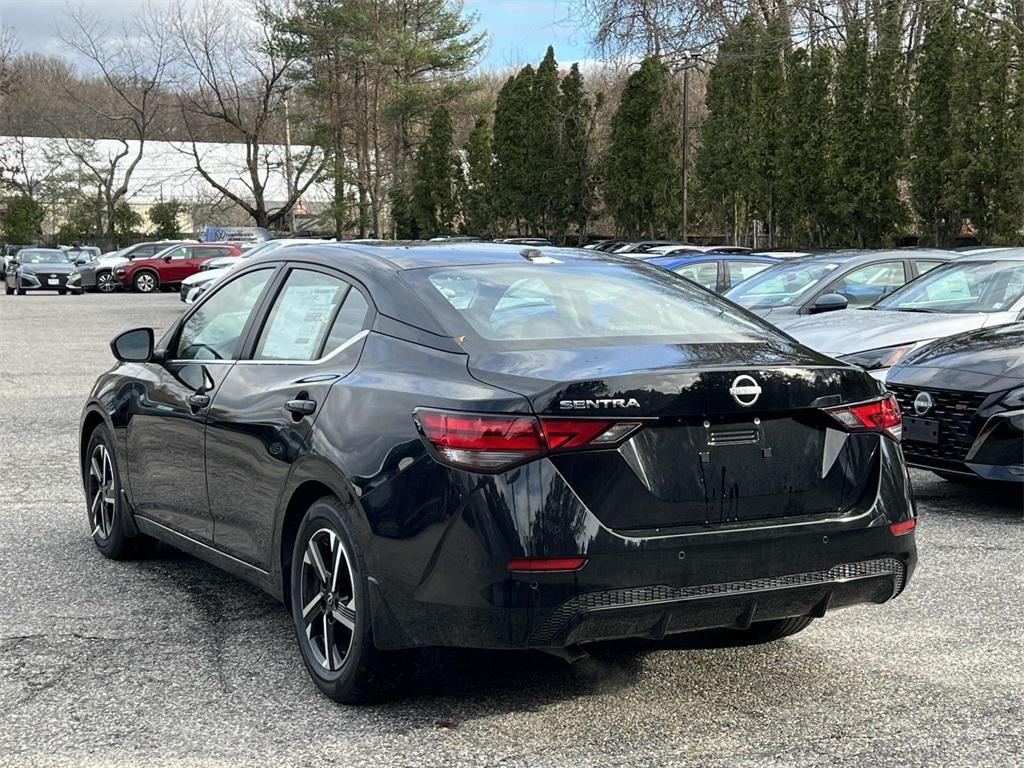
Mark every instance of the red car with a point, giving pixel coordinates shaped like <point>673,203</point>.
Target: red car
<point>170,266</point>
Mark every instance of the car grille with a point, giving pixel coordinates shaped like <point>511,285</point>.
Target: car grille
<point>632,597</point>
<point>953,410</point>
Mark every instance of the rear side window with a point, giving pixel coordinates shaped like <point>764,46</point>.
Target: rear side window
<point>927,266</point>
<point>579,304</point>
<point>311,316</point>
<point>703,273</point>
<point>741,270</point>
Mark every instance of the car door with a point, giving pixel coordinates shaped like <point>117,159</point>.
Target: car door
<point>166,433</point>
<point>261,420</point>
<point>863,286</point>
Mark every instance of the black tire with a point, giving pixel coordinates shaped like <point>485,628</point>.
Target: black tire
<point>145,281</point>
<point>8,290</point>
<point>21,291</point>
<point>62,292</point>
<point>104,506</point>
<point>105,282</point>
<point>363,673</point>
<point>770,631</point>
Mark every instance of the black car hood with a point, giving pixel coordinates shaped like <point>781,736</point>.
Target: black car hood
<point>988,360</point>
<point>56,268</point>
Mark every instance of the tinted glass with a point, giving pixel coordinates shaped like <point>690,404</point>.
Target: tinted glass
<point>41,256</point>
<point>350,321</point>
<point>214,331</point>
<point>927,266</point>
<point>579,304</point>
<point>703,273</point>
<point>977,286</point>
<point>744,270</point>
<point>301,317</point>
<point>863,286</point>
<point>780,285</point>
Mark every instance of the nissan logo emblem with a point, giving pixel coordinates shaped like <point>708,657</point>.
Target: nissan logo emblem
<point>745,390</point>
<point>923,403</point>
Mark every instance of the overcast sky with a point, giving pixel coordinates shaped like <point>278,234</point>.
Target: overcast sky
<point>519,30</point>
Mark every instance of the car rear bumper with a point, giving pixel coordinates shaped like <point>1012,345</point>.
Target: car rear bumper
<point>450,585</point>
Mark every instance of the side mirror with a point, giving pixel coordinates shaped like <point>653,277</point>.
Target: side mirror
<point>134,346</point>
<point>829,302</point>
<point>80,262</point>
<point>167,257</point>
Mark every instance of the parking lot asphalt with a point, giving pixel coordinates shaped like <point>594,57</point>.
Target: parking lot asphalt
<point>167,661</point>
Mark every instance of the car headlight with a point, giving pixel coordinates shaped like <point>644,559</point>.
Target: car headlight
<point>1014,398</point>
<point>872,359</point>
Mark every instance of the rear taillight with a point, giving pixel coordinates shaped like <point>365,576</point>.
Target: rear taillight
<point>535,564</point>
<point>493,442</point>
<point>876,415</point>
<point>903,527</point>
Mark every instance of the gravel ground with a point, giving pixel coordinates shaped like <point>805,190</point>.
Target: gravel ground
<point>168,661</point>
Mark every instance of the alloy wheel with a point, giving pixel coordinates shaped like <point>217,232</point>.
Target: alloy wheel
<point>328,599</point>
<point>145,283</point>
<point>105,282</point>
<point>102,492</point>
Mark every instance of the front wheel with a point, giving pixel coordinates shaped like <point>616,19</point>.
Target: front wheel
<point>145,282</point>
<point>104,506</point>
<point>62,292</point>
<point>330,610</point>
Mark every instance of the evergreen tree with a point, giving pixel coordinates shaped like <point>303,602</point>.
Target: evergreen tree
<point>575,171</point>
<point>767,98</point>
<point>513,114</point>
<point>883,206</point>
<point>851,149</point>
<point>932,175</point>
<point>22,221</point>
<point>435,178</point>
<point>543,157</point>
<point>726,155</point>
<point>478,185</point>
<point>804,200</point>
<point>642,174</point>
<point>164,218</point>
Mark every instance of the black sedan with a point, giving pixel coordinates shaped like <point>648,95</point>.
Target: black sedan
<point>494,447</point>
<point>38,269</point>
<point>964,400</point>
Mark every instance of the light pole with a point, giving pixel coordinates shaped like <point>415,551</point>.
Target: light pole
<point>690,60</point>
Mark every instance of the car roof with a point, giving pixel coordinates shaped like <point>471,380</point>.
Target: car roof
<point>852,256</point>
<point>669,258</point>
<point>1008,254</point>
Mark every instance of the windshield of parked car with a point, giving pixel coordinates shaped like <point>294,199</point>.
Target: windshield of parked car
<point>581,304</point>
<point>961,287</point>
<point>41,256</point>
<point>781,285</point>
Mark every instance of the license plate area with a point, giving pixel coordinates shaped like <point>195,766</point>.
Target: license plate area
<point>920,430</point>
<point>53,281</point>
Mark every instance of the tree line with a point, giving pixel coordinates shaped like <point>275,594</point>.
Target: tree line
<point>809,124</point>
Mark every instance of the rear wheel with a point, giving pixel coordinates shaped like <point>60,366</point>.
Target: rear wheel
<point>105,282</point>
<point>769,631</point>
<point>331,613</point>
<point>145,282</point>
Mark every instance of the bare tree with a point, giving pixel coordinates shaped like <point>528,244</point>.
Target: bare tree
<point>235,83</point>
<point>132,62</point>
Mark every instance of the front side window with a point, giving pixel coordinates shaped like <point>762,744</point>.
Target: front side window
<point>586,304</point>
<point>864,286</point>
<point>302,317</point>
<point>214,330</point>
<point>975,286</point>
<point>780,285</point>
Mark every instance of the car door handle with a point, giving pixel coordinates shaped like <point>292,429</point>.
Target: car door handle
<point>198,401</point>
<point>301,407</point>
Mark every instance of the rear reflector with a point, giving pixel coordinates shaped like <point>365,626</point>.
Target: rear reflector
<point>492,442</point>
<point>902,527</point>
<point>877,415</point>
<point>546,563</point>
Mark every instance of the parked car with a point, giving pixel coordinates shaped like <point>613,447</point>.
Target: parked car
<point>677,249</point>
<point>643,246</point>
<point>963,400</point>
<point>38,269</point>
<point>99,276</point>
<point>210,271</point>
<point>831,281</point>
<point>536,241</point>
<point>972,292</point>
<point>7,253</point>
<point>464,445</point>
<point>606,246</point>
<point>717,272</point>
<point>170,266</point>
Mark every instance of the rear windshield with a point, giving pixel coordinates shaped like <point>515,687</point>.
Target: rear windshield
<point>780,285</point>
<point>594,303</point>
